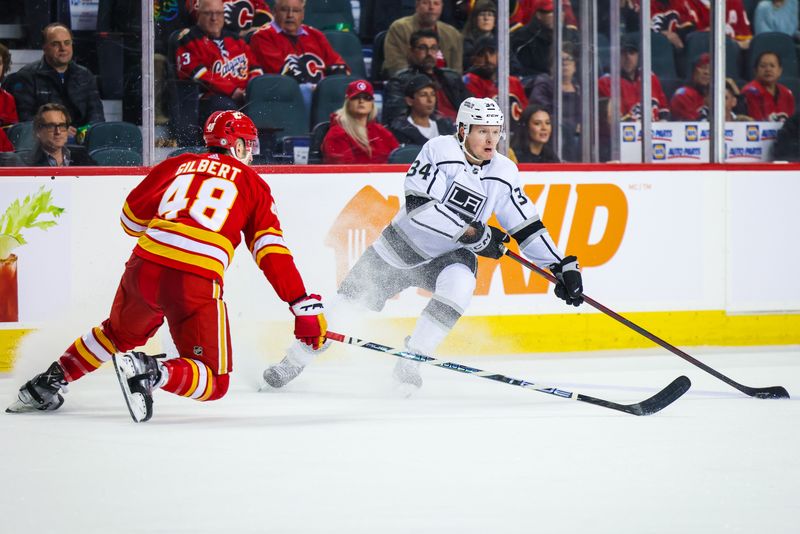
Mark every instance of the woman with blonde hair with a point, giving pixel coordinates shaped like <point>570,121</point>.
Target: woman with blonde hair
<point>355,136</point>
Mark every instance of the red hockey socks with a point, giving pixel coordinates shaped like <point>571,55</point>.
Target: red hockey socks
<point>194,379</point>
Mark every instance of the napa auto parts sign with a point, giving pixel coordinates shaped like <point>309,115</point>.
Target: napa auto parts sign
<point>688,142</point>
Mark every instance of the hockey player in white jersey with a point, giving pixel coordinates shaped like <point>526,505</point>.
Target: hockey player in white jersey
<point>452,189</point>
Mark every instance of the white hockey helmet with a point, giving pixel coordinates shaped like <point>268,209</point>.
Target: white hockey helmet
<point>481,111</point>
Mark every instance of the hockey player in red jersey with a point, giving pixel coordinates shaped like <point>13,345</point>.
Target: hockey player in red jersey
<point>188,214</point>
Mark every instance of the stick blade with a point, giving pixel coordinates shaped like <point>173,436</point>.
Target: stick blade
<point>663,398</point>
<point>774,392</point>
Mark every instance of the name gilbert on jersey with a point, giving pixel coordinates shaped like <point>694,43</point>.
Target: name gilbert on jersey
<point>210,167</point>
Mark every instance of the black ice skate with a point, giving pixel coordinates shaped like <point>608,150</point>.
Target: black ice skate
<point>282,372</point>
<point>42,393</point>
<point>138,375</point>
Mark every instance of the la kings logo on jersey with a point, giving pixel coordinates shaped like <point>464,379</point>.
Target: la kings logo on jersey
<point>464,201</point>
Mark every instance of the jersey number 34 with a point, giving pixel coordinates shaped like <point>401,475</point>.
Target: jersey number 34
<point>210,206</point>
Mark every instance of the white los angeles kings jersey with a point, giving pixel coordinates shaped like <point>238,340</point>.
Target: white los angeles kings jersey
<point>444,193</point>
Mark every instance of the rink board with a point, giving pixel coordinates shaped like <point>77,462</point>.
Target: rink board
<point>701,256</point>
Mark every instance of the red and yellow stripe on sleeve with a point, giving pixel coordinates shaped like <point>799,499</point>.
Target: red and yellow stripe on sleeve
<point>133,225</point>
<point>269,241</point>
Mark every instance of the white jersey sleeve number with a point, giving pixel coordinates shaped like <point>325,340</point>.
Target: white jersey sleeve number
<point>209,207</point>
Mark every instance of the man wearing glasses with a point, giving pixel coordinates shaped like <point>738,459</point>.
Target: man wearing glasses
<point>57,79</point>
<point>422,48</point>
<point>426,17</point>
<point>51,125</point>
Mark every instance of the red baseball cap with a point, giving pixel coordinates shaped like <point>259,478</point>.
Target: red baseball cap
<point>544,5</point>
<point>359,87</point>
<point>703,60</point>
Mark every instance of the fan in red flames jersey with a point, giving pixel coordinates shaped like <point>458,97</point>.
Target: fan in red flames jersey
<point>289,47</point>
<point>241,16</point>
<point>188,215</point>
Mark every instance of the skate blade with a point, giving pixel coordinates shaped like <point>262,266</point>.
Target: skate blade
<point>137,405</point>
<point>20,407</point>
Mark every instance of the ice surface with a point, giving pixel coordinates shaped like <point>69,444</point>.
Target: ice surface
<point>338,451</point>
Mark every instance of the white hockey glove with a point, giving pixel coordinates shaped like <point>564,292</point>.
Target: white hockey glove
<point>487,241</point>
<point>569,287</point>
<point>310,325</point>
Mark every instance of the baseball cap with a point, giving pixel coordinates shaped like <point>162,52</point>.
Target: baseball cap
<point>358,87</point>
<point>630,42</point>
<point>420,81</point>
<point>485,42</point>
<point>702,60</point>
<point>543,5</point>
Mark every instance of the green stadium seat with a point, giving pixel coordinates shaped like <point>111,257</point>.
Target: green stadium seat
<point>317,136</point>
<point>113,135</point>
<point>121,157</point>
<point>349,47</point>
<point>274,103</point>
<point>184,150</point>
<point>378,56</point>
<point>663,55</point>
<point>697,43</point>
<point>328,97</point>
<point>404,154</point>
<point>329,15</point>
<point>21,136</point>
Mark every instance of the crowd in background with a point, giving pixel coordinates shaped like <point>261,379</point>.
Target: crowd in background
<point>427,56</point>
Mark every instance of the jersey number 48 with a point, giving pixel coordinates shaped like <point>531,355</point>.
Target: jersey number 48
<point>210,206</point>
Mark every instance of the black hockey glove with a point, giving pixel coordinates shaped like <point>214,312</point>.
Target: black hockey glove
<point>487,241</point>
<point>569,287</point>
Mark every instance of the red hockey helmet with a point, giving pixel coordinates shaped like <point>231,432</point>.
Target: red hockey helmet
<point>223,128</point>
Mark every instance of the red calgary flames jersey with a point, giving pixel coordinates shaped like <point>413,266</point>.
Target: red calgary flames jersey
<point>306,57</point>
<point>190,212</point>
<point>240,15</point>
<point>220,65</point>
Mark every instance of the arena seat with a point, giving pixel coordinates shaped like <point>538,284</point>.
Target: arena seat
<point>404,154</point>
<point>116,157</point>
<point>184,150</point>
<point>183,100</point>
<point>349,47</point>
<point>113,135</point>
<point>328,97</point>
<point>378,56</point>
<point>782,45</point>
<point>275,105</point>
<point>318,134</point>
<point>697,43</point>
<point>21,136</point>
<point>329,15</point>
<point>662,54</point>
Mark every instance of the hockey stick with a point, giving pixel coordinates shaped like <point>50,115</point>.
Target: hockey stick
<point>656,403</point>
<point>772,392</point>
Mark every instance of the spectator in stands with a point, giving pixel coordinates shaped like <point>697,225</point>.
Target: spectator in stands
<point>219,60</point>
<point>355,136</point>
<point>482,22</point>
<point>787,144</point>
<point>690,101</point>
<point>242,17</point>
<point>732,102</point>
<point>631,85</point>
<point>531,142</point>
<point>542,96</point>
<point>8,109</point>
<point>57,79</point>
<point>50,126</point>
<point>776,16</point>
<point>421,122</point>
<point>672,19</point>
<point>289,47</point>
<point>524,10</point>
<point>531,45</point>
<point>426,17</point>
<point>422,48</point>
<point>481,79</point>
<point>768,100</point>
